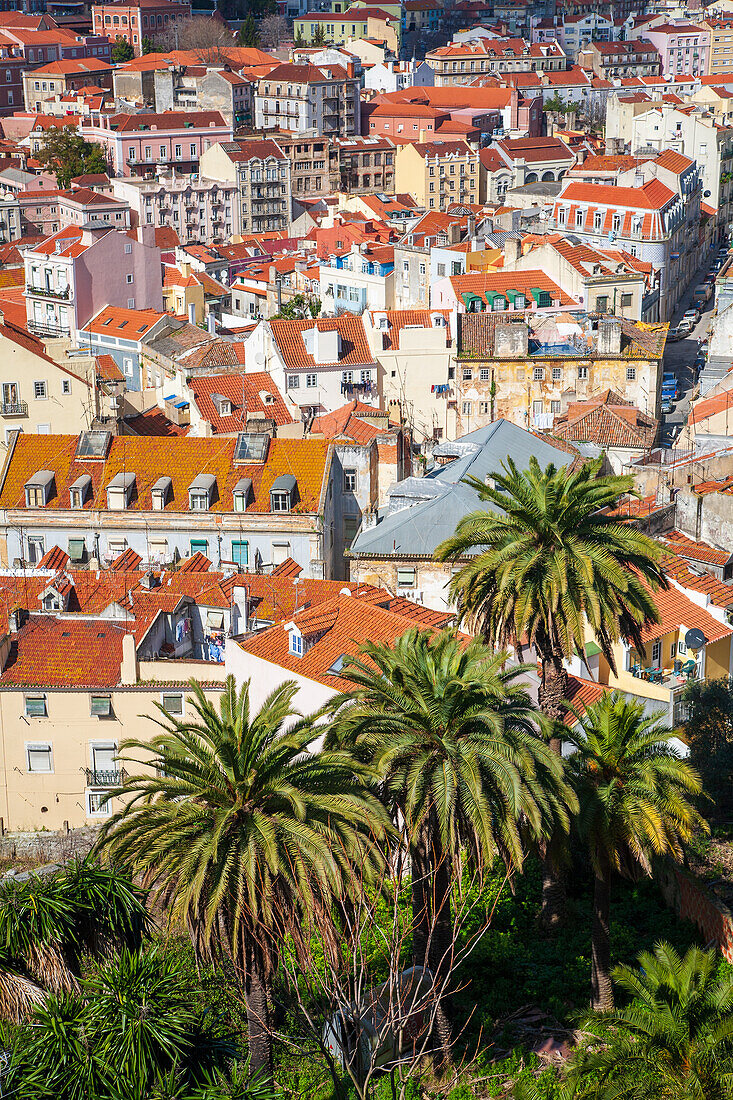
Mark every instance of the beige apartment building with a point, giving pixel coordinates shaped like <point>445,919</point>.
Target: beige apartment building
<point>61,731</point>
<point>261,172</point>
<point>721,45</point>
<point>39,395</point>
<point>438,173</point>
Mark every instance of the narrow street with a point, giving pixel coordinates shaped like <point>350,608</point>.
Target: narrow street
<point>679,356</point>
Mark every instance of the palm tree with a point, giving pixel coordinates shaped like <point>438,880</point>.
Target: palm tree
<point>674,1041</point>
<point>548,568</point>
<point>453,737</point>
<point>46,922</point>
<point>247,834</point>
<point>633,790</point>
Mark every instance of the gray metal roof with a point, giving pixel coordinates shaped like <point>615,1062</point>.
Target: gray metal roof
<point>425,511</point>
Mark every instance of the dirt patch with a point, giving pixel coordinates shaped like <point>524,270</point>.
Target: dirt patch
<point>714,865</point>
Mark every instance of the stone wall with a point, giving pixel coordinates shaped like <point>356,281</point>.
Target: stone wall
<point>47,847</point>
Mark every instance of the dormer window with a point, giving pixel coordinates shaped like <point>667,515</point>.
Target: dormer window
<point>201,493</point>
<point>79,490</point>
<point>222,404</point>
<point>241,492</point>
<point>283,493</point>
<point>295,640</point>
<point>160,493</point>
<point>120,491</point>
<point>52,601</point>
<point>39,489</point>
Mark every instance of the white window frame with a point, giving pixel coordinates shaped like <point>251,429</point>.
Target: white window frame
<point>39,746</point>
<point>90,796</point>
<point>179,695</point>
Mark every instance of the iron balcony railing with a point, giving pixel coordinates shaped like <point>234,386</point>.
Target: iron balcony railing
<point>14,408</point>
<point>48,292</point>
<point>42,329</point>
<point>107,777</point>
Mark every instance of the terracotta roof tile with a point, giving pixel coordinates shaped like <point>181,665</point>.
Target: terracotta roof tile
<point>153,423</point>
<point>695,550</point>
<point>51,652</point>
<point>182,459</point>
<point>606,423</point>
<point>343,626</point>
<point>288,336</point>
<point>676,610</point>
<point>581,694</point>
<point>710,406</point>
<point>126,561</point>
<point>244,392</point>
<point>720,594</point>
<point>107,369</point>
<point>55,558</point>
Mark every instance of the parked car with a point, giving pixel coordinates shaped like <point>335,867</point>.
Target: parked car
<point>680,332</point>
<point>709,279</point>
<point>691,316</point>
<point>702,293</point>
<point>667,406</point>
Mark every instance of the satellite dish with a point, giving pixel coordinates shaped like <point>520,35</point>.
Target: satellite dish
<point>695,639</point>
<point>259,359</point>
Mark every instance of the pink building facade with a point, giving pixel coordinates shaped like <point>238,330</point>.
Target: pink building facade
<point>137,145</point>
<point>683,48</point>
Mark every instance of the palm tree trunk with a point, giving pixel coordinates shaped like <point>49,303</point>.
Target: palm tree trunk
<point>257,999</point>
<point>602,991</point>
<point>420,889</point>
<point>552,691</point>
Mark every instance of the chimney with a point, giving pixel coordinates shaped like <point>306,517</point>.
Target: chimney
<point>609,337</point>
<point>130,669</point>
<point>191,313</point>
<point>513,107</point>
<point>512,250</point>
<point>16,619</point>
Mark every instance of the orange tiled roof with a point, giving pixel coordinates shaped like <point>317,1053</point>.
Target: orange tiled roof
<point>710,406</point>
<point>130,324</point>
<point>108,370</point>
<point>51,652</point>
<point>397,319</point>
<point>181,458</point>
<point>582,694</point>
<point>677,569</point>
<point>501,281</point>
<point>155,424</point>
<point>343,626</point>
<point>653,195</point>
<point>606,423</point>
<point>695,550</point>
<point>288,336</point>
<point>676,610</point>
<point>244,391</point>
<point>347,422</point>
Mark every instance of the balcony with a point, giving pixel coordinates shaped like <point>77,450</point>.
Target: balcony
<point>14,408</point>
<point>40,328</point>
<point>112,777</point>
<point>48,292</point>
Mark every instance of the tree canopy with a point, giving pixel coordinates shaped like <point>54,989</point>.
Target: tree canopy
<point>65,153</point>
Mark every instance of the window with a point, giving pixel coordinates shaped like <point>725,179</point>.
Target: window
<point>97,804</point>
<point>172,703</point>
<point>39,391</point>
<point>280,552</point>
<point>537,408</point>
<point>199,546</point>
<point>582,372</point>
<point>656,653</point>
<point>128,362</point>
<point>38,757</point>
<point>483,408</point>
<point>311,381</point>
<point>240,553</point>
<point>554,406</point>
<point>467,374</point>
<point>484,374</point>
<point>626,300</point>
<point>538,374</point>
<point>293,381</point>
<point>406,578</point>
<point>631,374</point>
<point>36,549</point>
<point>296,643</point>
<point>66,386</point>
<point>35,706</point>
<point>347,377</point>
<point>350,481</point>
<point>466,408</point>
<point>128,247</point>
<point>100,706</point>
<point>602,303</point>
<point>130,278</point>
